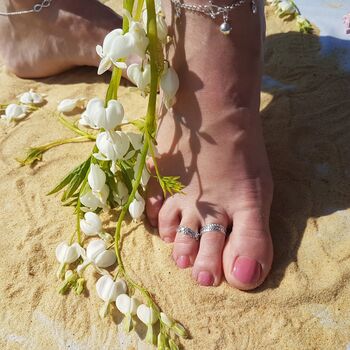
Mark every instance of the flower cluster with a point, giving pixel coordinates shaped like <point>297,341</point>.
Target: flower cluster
<point>115,175</point>
<point>28,102</point>
<point>289,10</point>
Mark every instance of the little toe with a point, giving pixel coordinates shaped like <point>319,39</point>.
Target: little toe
<point>248,253</point>
<point>186,247</point>
<point>168,220</point>
<point>207,269</point>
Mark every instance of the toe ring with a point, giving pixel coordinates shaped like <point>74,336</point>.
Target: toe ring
<point>213,228</point>
<point>188,232</point>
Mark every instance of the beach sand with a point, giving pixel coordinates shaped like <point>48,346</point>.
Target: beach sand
<point>305,302</point>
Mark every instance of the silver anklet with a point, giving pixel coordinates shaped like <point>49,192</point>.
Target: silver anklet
<point>36,8</point>
<point>213,11</point>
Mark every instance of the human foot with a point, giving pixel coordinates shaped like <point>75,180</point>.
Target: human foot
<point>213,139</point>
<point>58,38</point>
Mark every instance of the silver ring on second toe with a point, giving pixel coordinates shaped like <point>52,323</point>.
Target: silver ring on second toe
<point>188,232</point>
<point>213,228</point>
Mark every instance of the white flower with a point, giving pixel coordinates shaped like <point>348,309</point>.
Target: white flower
<point>31,97</point>
<point>145,173</point>
<point>122,196</point>
<point>140,75</point>
<point>69,104</point>
<point>285,8</point>
<point>91,225</point>
<point>169,83</point>
<point>14,112</point>
<point>93,200</point>
<point>139,37</point>
<point>137,207</point>
<point>108,290</point>
<point>97,116</point>
<point>96,178</point>
<point>116,45</point>
<point>128,307</point>
<point>97,253</point>
<point>112,145</point>
<point>66,254</point>
<point>148,316</point>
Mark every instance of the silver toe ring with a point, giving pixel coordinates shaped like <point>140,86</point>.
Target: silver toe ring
<point>188,232</point>
<point>213,228</point>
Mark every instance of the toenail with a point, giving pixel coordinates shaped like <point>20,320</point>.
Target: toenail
<point>246,270</point>
<point>205,278</point>
<point>167,239</point>
<point>183,261</point>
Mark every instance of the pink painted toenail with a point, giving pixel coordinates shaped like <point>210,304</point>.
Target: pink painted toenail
<point>183,261</point>
<point>246,270</point>
<point>167,239</point>
<point>205,278</point>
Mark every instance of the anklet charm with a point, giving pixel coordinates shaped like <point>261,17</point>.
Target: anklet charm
<point>213,11</point>
<point>225,27</point>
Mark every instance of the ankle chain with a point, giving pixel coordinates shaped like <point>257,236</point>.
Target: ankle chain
<point>36,8</point>
<point>213,11</point>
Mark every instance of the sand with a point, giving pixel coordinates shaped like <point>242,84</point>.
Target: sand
<point>305,302</point>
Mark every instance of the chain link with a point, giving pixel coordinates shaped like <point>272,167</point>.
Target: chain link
<point>211,10</point>
<point>36,8</point>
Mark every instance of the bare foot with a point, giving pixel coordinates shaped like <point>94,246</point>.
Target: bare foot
<point>58,38</point>
<point>213,140</point>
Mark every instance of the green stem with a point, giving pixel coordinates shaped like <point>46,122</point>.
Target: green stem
<point>72,127</point>
<point>150,123</point>
<point>60,142</point>
<point>138,12</point>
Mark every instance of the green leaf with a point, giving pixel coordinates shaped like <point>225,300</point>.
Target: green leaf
<point>76,181</point>
<point>171,184</point>
<point>69,178</point>
<point>33,154</point>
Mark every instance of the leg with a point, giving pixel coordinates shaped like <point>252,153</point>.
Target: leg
<point>60,37</point>
<point>213,139</point>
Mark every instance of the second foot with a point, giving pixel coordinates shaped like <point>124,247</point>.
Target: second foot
<point>228,182</point>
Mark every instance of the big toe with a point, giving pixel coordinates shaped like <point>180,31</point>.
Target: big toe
<point>248,253</point>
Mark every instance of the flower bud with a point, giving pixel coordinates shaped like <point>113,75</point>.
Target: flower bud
<point>146,314</point>
<point>31,97</point>
<point>169,83</point>
<point>14,112</point>
<point>137,207</point>
<point>68,105</point>
<point>140,76</point>
<point>96,178</point>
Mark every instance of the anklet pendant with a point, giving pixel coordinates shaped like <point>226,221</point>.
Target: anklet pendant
<point>225,27</point>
